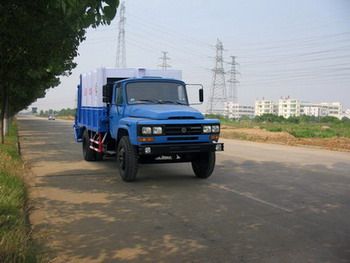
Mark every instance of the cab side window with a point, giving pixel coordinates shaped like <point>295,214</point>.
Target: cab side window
<point>119,99</point>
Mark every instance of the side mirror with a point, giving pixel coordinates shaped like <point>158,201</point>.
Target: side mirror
<point>200,90</point>
<point>201,95</point>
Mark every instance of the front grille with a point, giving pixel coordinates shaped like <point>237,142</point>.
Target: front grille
<point>183,129</point>
<point>185,138</point>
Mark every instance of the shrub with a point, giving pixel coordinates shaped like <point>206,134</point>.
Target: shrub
<point>312,133</point>
<point>273,129</point>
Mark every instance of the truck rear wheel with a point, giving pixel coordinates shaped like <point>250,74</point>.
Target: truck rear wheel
<point>127,160</point>
<point>203,165</point>
<point>88,154</point>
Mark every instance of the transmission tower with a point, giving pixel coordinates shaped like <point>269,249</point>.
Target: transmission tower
<point>218,91</point>
<point>232,88</point>
<point>121,53</point>
<point>164,58</point>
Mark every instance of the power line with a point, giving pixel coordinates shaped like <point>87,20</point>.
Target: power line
<point>121,52</point>
<point>165,39</point>
<point>168,30</point>
<point>288,64</point>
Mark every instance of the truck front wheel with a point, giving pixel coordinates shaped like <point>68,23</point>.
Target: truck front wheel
<point>203,165</point>
<point>88,154</point>
<point>127,160</point>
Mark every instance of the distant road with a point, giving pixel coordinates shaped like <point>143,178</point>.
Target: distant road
<point>264,203</point>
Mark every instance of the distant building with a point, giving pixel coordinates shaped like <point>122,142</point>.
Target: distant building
<point>237,111</point>
<point>334,109</point>
<point>265,107</point>
<point>322,109</point>
<point>313,109</point>
<point>346,114</point>
<point>288,107</point>
<point>34,110</point>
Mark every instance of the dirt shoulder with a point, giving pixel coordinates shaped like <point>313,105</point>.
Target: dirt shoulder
<point>68,118</point>
<point>260,135</point>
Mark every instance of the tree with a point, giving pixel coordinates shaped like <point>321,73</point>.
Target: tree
<point>345,119</point>
<point>329,119</point>
<point>38,42</point>
<point>269,117</point>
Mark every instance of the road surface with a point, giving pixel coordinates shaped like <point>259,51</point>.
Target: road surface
<point>264,203</point>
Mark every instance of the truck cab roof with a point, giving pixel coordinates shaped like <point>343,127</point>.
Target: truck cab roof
<point>151,78</point>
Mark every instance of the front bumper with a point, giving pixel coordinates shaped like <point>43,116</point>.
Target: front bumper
<point>167,149</point>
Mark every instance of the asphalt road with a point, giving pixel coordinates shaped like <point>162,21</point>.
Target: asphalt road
<point>264,203</point>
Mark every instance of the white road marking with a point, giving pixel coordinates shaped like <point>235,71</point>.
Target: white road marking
<point>249,196</point>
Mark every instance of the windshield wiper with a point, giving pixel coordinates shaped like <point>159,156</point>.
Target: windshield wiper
<point>144,101</point>
<point>171,101</point>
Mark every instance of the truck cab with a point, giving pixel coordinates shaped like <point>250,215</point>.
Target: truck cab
<point>148,120</point>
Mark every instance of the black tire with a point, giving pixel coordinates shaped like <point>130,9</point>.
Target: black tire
<point>98,156</point>
<point>203,165</point>
<point>88,154</point>
<point>127,160</point>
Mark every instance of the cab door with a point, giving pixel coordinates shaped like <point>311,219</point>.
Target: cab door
<point>117,109</point>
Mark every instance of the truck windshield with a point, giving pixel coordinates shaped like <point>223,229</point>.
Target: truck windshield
<point>156,92</point>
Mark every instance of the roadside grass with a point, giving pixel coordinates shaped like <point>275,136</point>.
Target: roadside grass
<point>15,242</point>
<point>310,130</point>
<point>298,130</point>
<point>274,129</point>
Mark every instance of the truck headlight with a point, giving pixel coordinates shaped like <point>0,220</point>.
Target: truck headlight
<point>157,130</point>
<point>146,130</point>
<point>215,128</point>
<point>206,128</point>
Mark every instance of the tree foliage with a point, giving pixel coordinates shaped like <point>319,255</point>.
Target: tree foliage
<point>63,112</point>
<point>38,42</point>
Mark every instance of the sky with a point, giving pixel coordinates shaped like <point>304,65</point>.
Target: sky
<point>296,48</point>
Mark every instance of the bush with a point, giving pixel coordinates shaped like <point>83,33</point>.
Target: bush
<point>66,112</point>
<point>345,120</point>
<point>312,133</point>
<point>329,119</point>
<point>273,129</point>
<point>269,118</point>
<point>308,119</point>
<point>293,119</point>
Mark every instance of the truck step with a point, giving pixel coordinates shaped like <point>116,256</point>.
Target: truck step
<point>110,153</point>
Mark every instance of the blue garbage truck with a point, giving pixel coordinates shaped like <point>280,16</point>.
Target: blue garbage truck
<point>143,116</point>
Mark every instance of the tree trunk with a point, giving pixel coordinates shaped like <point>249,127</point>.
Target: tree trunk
<point>2,113</point>
<point>6,117</point>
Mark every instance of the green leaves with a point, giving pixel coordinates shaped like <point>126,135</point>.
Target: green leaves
<point>39,41</point>
<point>109,11</point>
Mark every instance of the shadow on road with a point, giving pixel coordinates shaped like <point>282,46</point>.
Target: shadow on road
<point>248,211</point>
<point>169,215</point>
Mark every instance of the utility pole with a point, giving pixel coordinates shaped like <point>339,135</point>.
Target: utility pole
<point>164,58</point>
<point>121,52</point>
<point>232,88</point>
<point>218,91</point>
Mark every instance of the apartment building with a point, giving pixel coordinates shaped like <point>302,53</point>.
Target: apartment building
<point>346,113</point>
<point>313,109</point>
<point>237,111</point>
<point>334,109</point>
<point>288,107</point>
<point>265,107</point>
